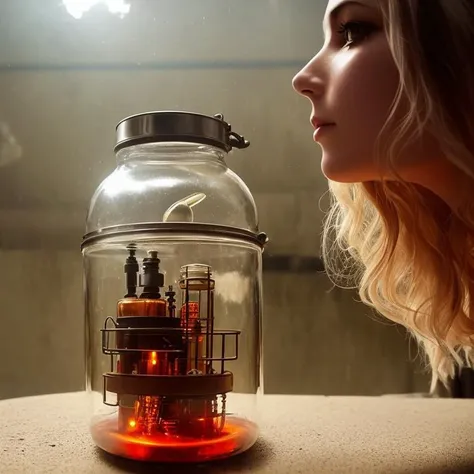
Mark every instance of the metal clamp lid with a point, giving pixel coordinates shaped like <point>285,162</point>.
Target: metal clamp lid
<point>177,126</point>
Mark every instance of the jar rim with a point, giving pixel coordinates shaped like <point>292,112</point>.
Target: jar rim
<point>198,229</point>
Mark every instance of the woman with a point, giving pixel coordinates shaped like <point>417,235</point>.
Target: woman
<point>392,94</point>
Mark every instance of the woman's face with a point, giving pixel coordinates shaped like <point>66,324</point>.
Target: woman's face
<point>351,84</point>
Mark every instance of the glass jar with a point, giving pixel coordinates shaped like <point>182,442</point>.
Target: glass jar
<point>173,294</point>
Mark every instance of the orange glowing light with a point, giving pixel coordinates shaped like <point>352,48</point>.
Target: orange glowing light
<point>132,423</point>
<point>238,436</point>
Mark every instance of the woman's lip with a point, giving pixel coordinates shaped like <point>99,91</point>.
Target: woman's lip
<point>321,128</point>
<point>317,122</point>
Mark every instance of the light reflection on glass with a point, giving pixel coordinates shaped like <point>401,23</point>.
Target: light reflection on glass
<point>121,180</point>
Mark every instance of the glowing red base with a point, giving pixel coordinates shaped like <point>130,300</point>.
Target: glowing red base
<point>238,436</point>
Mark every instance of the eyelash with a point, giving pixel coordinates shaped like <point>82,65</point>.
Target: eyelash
<point>348,28</point>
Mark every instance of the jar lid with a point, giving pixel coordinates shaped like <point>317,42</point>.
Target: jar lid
<point>176,126</point>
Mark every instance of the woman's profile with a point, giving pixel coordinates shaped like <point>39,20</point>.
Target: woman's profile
<point>392,95</point>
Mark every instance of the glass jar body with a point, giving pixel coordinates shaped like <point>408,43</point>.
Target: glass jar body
<point>173,366</point>
<point>152,178</point>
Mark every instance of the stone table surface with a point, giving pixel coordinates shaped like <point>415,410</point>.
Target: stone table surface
<point>299,434</point>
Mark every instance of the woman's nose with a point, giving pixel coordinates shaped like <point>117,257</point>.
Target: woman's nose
<point>308,83</point>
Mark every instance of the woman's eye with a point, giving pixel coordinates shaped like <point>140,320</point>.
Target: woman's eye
<point>354,32</point>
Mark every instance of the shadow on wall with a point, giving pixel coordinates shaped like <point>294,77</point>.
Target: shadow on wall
<point>319,340</point>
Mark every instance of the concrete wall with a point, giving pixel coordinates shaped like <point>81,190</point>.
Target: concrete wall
<point>65,82</point>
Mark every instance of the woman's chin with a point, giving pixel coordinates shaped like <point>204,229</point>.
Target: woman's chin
<point>332,168</point>
<point>341,170</point>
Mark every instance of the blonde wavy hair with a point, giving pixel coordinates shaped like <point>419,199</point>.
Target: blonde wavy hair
<point>410,255</point>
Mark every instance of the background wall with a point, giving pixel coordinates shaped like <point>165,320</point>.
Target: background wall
<point>64,84</point>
